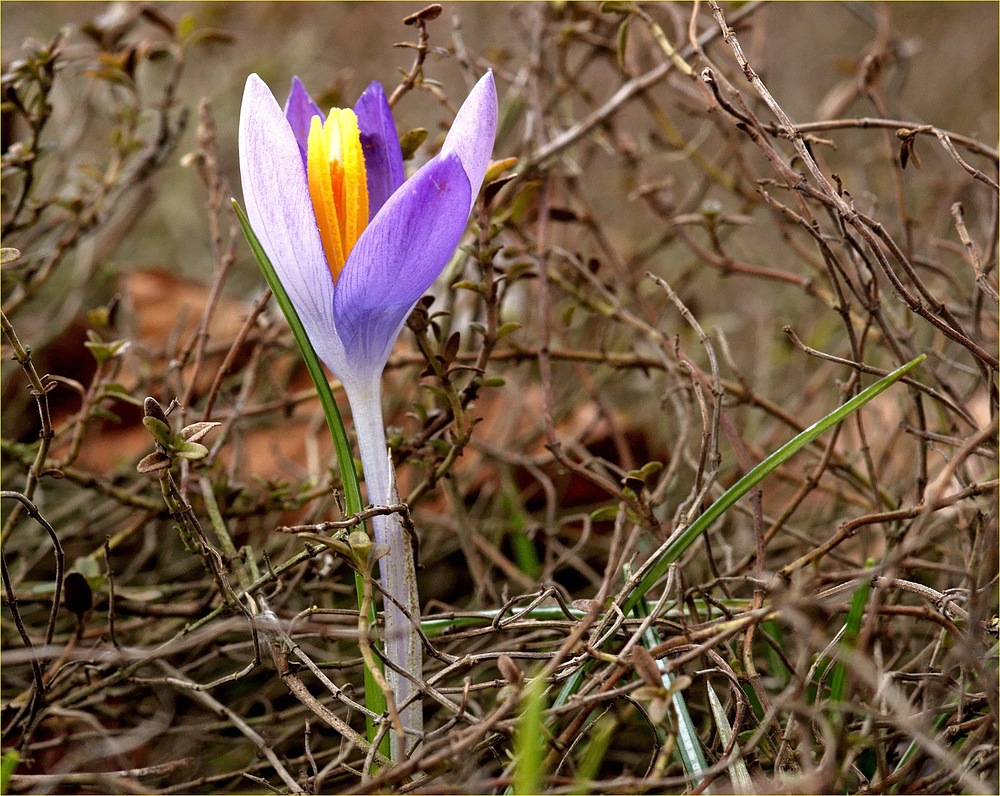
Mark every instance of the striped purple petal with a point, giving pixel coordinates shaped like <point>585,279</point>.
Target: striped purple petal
<point>473,131</point>
<point>299,110</point>
<point>380,143</point>
<point>281,214</point>
<point>398,257</point>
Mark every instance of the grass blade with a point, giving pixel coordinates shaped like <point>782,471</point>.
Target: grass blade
<point>852,629</point>
<point>593,753</point>
<point>688,744</point>
<point>8,765</point>
<point>738,770</point>
<point>659,566</point>
<point>530,747</point>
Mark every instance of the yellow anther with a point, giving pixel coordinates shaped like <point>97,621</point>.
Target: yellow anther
<point>338,184</point>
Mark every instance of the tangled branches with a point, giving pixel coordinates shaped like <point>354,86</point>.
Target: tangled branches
<point>674,274</point>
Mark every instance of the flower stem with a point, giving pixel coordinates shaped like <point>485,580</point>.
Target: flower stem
<point>397,573</point>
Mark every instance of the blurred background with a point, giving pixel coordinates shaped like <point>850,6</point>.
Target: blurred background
<point>943,72</point>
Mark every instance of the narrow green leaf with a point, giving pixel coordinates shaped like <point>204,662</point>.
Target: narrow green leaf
<point>104,414</point>
<point>914,748</point>
<point>567,314</point>
<point>848,642</point>
<point>688,743</point>
<point>119,393</point>
<point>7,768</point>
<point>738,770</point>
<point>604,514</point>
<point>153,463</point>
<point>755,476</point>
<point>525,555</point>
<point>775,665</point>
<point>622,38</point>
<point>529,740</point>
<point>468,284</point>
<point>593,753</point>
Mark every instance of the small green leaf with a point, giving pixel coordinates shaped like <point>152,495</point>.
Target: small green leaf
<point>103,351</point>
<point>186,26</point>
<point>210,36</point>
<point>420,412</point>
<point>622,39</point>
<point>152,408</point>
<point>89,568</point>
<point>452,346</point>
<point>618,7</point>
<point>161,431</point>
<point>411,140</point>
<point>336,543</point>
<point>604,514</point>
<point>519,269</point>
<point>119,393</point>
<point>508,328</point>
<point>191,450</point>
<point>7,768</point>
<point>438,391</point>
<point>104,414</point>
<point>646,667</point>
<point>440,446</point>
<point>650,469</point>
<point>643,473</point>
<point>498,167</point>
<point>99,317</point>
<point>360,544</point>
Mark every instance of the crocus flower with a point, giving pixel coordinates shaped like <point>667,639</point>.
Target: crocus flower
<point>355,244</point>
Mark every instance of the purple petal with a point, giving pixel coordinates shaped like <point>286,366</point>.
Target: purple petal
<point>473,131</point>
<point>281,214</point>
<point>299,110</point>
<point>383,157</point>
<point>398,256</point>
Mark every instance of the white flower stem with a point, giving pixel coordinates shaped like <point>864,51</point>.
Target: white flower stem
<point>398,576</point>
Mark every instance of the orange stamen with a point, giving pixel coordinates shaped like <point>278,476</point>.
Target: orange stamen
<point>338,184</point>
